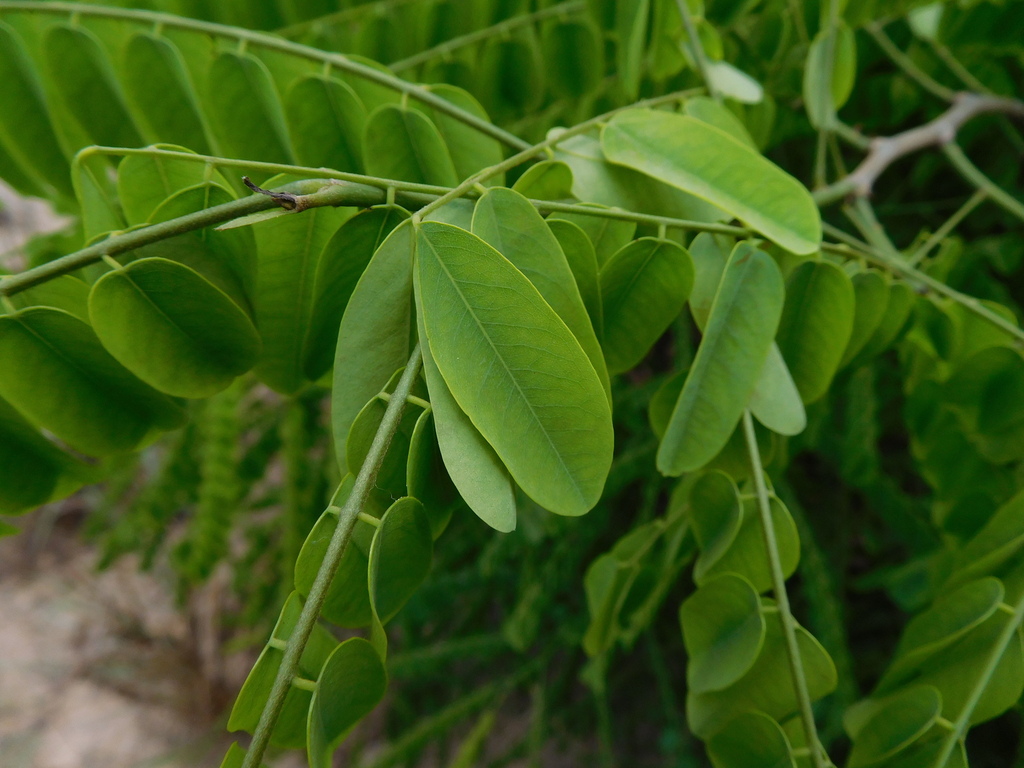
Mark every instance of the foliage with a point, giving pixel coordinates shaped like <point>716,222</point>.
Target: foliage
<point>789,428</point>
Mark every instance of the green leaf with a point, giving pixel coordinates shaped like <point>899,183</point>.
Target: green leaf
<point>643,288</point>
<point>721,117</point>
<point>734,83</point>
<point>172,328</point>
<point>373,340</point>
<point>341,265</point>
<point>158,87</point>
<point>84,79</point>
<point>64,292</point>
<point>25,124</point>
<point>579,252</point>
<point>515,369</point>
<point>390,482</point>
<point>426,476</point>
<point>823,99</point>
<point>631,20</point>
<point>400,557</point>
<point>751,740</point>
<point>509,78</point>
<point>95,193</point>
<point>352,682</point>
<point>400,143</point>
<point>744,554</point>
<point>717,515</point>
<point>574,51</point>
<point>776,400</point>
<point>32,469</point>
<point>326,119</point>
<point>816,324</point>
<point>289,252</point>
<point>290,730</point>
<point>896,724</point>
<point>244,109</point>
<point>606,235</point>
<point>597,180</point>
<point>508,222</point>
<point>659,410</point>
<point>470,150</point>
<point>767,687</point>
<point>144,182</point>
<point>546,180</point>
<point>226,258</point>
<point>728,363</point>
<point>64,381</point>
<point>478,474</point>
<point>893,322</point>
<point>871,296</point>
<point>951,617</point>
<point>699,159</point>
<point>723,630</point>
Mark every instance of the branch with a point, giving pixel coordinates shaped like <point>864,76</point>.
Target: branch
<point>339,541</point>
<point>271,42</point>
<point>940,132</point>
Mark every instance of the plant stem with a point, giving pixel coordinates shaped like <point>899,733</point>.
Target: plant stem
<point>534,150</point>
<point>271,42</point>
<point>948,226</point>
<point>904,62</point>
<point>825,129</point>
<point>940,132</point>
<point>699,56</point>
<point>963,722</point>
<point>499,29</point>
<point>789,624</point>
<point>318,592</point>
<point>983,183</point>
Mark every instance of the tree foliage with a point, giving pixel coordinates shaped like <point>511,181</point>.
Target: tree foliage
<point>638,264</point>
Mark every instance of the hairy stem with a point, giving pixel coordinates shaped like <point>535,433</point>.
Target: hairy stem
<point>318,592</point>
<point>271,42</point>
<point>497,30</point>
<point>789,625</point>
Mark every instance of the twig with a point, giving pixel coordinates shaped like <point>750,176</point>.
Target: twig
<point>973,174</point>
<point>501,28</point>
<point>947,226</point>
<point>699,57</point>
<point>904,62</point>
<point>885,150</point>
<point>335,549</point>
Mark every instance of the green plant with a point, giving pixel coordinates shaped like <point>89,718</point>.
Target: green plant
<point>505,315</point>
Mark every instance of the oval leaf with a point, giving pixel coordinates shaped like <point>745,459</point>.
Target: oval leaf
<point>400,143</point>
<point>326,120</point>
<point>702,160</point>
<point>515,369</point>
<point>730,358</point>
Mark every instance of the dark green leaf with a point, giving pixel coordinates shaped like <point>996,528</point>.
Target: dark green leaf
<point>326,120</point>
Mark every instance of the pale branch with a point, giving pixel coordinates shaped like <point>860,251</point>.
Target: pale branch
<point>940,132</point>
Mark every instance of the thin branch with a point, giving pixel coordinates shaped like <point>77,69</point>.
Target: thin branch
<point>983,183</point>
<point>789,624</point>
<point>318,592</point>
<point>885,150</point>
<point>904,62</point>
<point>825,128</point>
<point>355,13</point>
<point>963,722</point>
<point>530,152</point>
<point>953,64</point>
<point>271,42</point>
<point>501,28</point>
<point>699,57</point>
<point>948,226</point>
